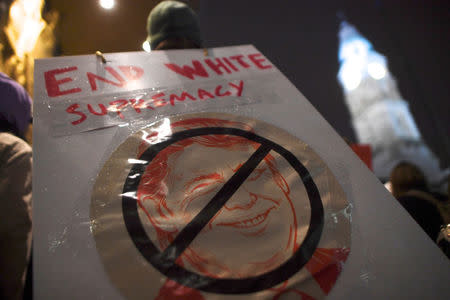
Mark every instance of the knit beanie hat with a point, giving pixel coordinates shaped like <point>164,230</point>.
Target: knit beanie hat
<point>172,19</point>
<point>15,105</point>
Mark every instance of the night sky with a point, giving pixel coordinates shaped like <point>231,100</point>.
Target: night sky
<point>300,38</point>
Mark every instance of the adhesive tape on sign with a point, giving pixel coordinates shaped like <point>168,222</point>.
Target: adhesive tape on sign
<point>217,206</point>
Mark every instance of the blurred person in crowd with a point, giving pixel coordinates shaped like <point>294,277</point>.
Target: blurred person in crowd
<point>15,188</point>
<point>410,187</point>
<point>443,240</point>
<point>173,25</point>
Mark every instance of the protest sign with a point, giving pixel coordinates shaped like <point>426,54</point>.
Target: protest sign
<point>175,175</point>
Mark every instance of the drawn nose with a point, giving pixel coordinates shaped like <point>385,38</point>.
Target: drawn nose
<point>242,199</point>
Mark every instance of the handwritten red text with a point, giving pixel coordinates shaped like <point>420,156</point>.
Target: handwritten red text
<point>152,102</point>
<point>220,65</point>
<point>67,75</point>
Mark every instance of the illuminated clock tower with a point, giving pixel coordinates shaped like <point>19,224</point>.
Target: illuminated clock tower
<point>380,116</point>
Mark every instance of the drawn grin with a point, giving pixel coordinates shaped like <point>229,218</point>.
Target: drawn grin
<point>248,223</point>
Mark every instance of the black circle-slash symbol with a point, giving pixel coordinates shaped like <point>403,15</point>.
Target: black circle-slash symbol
<point>165,261</point>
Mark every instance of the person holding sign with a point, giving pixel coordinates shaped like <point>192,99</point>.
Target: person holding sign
<point>173,25</point>
<point>15,188</point>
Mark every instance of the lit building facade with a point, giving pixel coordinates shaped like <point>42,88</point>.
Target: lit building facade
<point>380,117</point>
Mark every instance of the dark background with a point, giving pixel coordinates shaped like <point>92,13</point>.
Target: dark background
<point>301,39</point>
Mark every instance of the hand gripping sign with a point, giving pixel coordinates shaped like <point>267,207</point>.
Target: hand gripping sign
<point>209,206</point>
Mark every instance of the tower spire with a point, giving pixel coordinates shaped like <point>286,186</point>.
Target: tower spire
<point>380,116</point>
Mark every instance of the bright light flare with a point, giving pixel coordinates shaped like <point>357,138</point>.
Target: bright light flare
<point>25,25</point>
<point>14,12</point>
<point>350,75</point>
<point>107,4</point>
<point>351,80</point>
<point>376,70</point>
<point>146,46</point>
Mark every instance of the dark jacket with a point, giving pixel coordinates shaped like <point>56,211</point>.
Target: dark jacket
<point>423,207</point>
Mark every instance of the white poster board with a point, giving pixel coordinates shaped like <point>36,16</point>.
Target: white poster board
<point>98,233</point>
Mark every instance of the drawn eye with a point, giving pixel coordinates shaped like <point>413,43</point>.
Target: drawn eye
<point>256,174</point>
<point>200,186</point>
<point>201,182</point>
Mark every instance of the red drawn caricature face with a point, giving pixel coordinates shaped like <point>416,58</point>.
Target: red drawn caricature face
<point>259,217</point>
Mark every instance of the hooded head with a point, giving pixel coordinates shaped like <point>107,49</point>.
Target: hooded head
<point>176,21</point>
<point>15,107</point>
<point>405,177</point>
